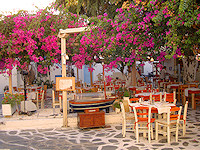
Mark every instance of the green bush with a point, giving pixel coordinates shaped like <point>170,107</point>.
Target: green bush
<point>12,99</point>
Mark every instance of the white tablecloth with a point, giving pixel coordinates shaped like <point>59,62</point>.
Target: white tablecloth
<point>192,89</point>
<point>169,86</point>
<point>138,87</point>
<point>148,94</point>
<point>31,95</point>
<point>163,107</point>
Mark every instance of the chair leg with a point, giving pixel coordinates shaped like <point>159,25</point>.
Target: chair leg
<point>123,129</point>
<point>177,133</point>
<point>156,131</point>
<point>137,134</point>
<point>149,133</point>
<point>168,134</point>
<point>42,104</point>
<point>184,129</point>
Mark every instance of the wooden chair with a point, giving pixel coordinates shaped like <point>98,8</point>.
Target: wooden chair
<point>193,85</point>
<point>183,119</point>
<point>170,97</point>
<point>145,98</point>
<point>171,123</point>
<point>143,122</point>
<point>20,89</point>
<point>55,102</point>
<point>182,91</point>
<point>127,120</point>
<point>15,89</point>
<point>156,98</point>
<point>45,92</point>
<point>132,100</point>
<point>140,91</point>
<point>196,99</point>
<point>40,99</point>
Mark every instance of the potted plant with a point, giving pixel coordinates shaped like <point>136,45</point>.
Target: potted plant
<point>10,103</point>
<point>126,95</point>
<point>117,106</point>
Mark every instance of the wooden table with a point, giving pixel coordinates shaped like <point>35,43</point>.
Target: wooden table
<point>193,95</point>
<point>192,91</point>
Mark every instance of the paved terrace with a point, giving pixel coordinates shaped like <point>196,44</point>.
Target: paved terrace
<point>108,138</point>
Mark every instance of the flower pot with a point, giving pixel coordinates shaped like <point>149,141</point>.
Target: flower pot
<point>125,98</point>
<point>7,110</point>
<point>126,103</point>
<point>117,110</point>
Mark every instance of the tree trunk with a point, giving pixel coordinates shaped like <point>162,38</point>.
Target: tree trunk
<point>91,79</point>
<point>190,65</point>
<point>134,82</point>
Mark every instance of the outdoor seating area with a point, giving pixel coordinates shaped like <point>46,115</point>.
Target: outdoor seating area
<point>163,113</point>
<point>102,75</point>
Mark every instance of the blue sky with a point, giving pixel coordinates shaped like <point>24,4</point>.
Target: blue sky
<point>15,5</point>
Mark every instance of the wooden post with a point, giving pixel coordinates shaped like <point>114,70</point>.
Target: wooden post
<point>133,75</point>
<point>91,80</point>
<point>104,82</point>
<point>10,82</point>
<point>64,93</point>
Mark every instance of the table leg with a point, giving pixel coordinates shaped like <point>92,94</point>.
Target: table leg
<point>193,102</point>
<point>174,91</point>
<point>179,98</point>
<point>184,100</point>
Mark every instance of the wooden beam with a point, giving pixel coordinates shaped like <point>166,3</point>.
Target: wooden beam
<point>64,33</point>
<point>74,30</point>
<point>10,82</point>
<point>64,93</point>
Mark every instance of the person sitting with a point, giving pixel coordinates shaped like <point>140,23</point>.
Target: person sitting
<point>163,73</point>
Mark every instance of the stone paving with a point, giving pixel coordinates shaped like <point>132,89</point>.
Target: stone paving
<point>108,138</point>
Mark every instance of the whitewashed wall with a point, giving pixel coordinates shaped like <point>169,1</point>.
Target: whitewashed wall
<point>4,80</point>
<point>148,67</point>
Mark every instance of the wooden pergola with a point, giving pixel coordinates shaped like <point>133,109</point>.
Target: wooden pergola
<point>63,34</point>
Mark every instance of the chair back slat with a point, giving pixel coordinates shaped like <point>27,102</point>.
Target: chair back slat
<point>134,100</point>
<point>170,97</point>
<point>175,113</point>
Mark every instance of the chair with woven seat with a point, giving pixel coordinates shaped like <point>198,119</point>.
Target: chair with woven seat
<point>40,99</point>
<point>143,122</point>
<point>127,120</point>
<point>171,123</point>
<point>55,102</point>
<point>183,119</point>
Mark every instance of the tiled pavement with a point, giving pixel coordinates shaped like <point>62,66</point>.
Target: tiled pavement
<point>108,138</point>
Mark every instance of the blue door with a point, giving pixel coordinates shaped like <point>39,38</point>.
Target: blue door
<point>87,74</point>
